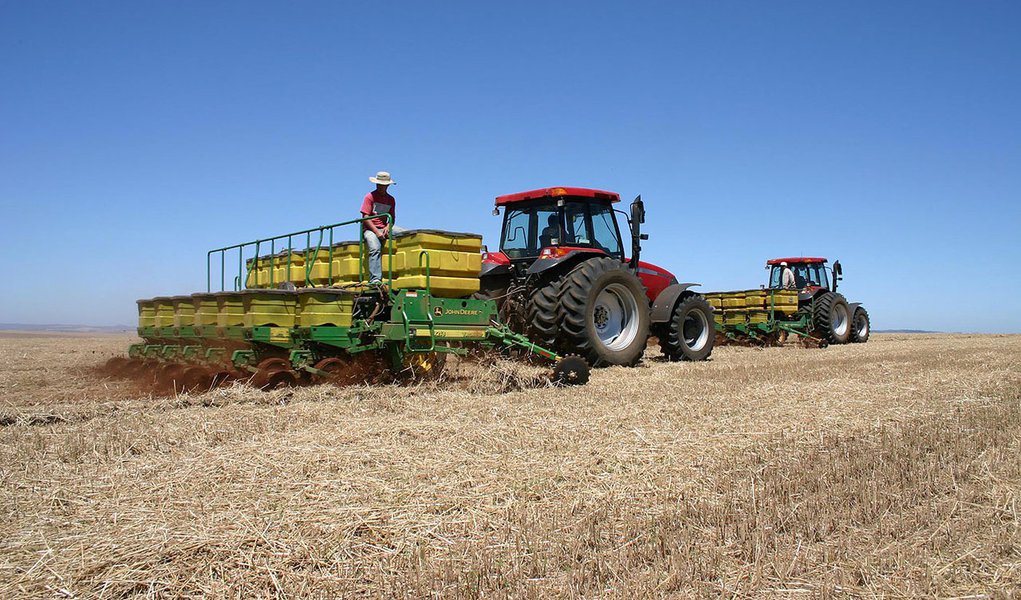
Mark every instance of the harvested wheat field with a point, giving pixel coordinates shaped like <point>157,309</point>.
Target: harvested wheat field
<point>889,468</point>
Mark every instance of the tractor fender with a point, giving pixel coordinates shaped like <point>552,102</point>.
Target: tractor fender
<point>570,259</point>
<point>494,269</point>
<point>663,307</point>
<point>852,306</point>
<point>807,296</point>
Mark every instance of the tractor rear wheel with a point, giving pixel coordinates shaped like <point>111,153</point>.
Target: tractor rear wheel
<point>860,326</point>
<point>603,313</point>
<point>542,318</point>
<point>690,334</point>
<point>832,318</point>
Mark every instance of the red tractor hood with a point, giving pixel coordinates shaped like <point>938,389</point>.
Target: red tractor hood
<point>655,279</point>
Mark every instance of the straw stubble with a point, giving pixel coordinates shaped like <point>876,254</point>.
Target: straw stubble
<point>880,469</point>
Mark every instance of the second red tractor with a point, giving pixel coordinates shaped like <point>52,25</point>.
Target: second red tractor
<point>835,320</point>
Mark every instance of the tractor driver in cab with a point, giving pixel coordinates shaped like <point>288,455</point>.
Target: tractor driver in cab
<point>787,280</point>
<point>551,232</point>
<point>376,231</point>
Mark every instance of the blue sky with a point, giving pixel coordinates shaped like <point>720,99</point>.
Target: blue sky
<point>135,136</point>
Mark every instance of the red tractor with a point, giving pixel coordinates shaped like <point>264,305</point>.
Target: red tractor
<point>561,277</point>
<point>834,319</point>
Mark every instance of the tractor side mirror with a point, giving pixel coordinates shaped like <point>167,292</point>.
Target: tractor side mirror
<point>638,210</point>
<point>637,218</point>
<point>496,211</point>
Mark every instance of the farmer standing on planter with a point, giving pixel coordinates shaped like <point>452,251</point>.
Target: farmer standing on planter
<point>376,231</point>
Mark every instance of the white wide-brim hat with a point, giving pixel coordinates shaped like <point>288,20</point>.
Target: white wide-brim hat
<point>382,178</point>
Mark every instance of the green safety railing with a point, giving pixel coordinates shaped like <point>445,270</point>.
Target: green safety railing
<point>325,233</point>
<point>409,343</point>
<point>425,254</point>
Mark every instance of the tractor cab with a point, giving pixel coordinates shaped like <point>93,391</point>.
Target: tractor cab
<point>552,222</point>
<point>810,273</point>
<point>550,229</point>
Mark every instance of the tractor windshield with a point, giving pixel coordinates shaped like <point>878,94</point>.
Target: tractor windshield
<point>604,230</point>
<point>593,226</point>
<point>805,275</point>
<point>529,229</point>
<point>816,275</point>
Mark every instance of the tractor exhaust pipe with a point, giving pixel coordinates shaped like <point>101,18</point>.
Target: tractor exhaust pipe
<point>636,220</point>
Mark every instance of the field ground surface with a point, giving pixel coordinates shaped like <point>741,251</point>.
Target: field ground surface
<point>885,469</point>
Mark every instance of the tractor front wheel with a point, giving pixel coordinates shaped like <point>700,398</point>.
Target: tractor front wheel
<point>690,334</point>
<point>604,313</point>
<point>860,327</point>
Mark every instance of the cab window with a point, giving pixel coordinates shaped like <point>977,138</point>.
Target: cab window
<point>528,230</point>
<point>800,275</point>
<point>604,231</point>
<point>577,232</point>
<point>593,226</point>
<point>547,222</point>
<point>515,233</point>
<point>817,275</point>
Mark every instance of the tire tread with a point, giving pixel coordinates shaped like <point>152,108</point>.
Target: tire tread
<point>671,343</point>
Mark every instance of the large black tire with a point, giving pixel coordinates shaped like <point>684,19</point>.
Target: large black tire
<point>603,314</point>
<point>861,327</point>
<point>690,334</point>
<point>832,318</point>
<point>542,318</point>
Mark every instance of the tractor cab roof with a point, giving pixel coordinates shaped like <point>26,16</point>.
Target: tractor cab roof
<point>556,192</point>
<point>796,259</point>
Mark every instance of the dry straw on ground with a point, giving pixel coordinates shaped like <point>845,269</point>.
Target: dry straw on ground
<point>884,469</point>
